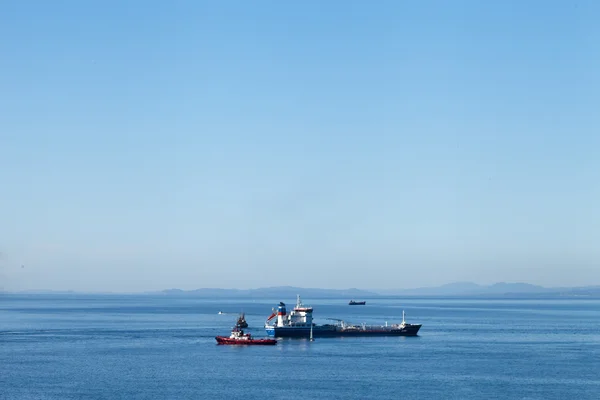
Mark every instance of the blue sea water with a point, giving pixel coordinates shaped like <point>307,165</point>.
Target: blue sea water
<point>160,347</point>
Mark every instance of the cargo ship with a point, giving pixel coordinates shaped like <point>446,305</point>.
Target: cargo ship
<point>356,303</point>
<point>299,321</point>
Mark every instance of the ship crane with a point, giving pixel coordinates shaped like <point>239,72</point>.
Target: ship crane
<point>341,321</point>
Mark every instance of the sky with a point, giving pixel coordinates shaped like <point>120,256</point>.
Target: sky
<point>147,145</point>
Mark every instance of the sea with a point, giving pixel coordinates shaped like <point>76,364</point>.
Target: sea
<point>163,347</point>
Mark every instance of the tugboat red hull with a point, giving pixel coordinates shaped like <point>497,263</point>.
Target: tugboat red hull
<point>245,342</point>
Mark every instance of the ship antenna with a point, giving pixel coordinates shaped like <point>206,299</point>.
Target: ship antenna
<point>403,316</point>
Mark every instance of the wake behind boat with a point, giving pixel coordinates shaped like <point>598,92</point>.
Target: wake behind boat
<point>240,338</point>
<point>299,322</point>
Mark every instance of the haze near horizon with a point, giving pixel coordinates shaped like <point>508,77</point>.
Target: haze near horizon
<point>147,145</point>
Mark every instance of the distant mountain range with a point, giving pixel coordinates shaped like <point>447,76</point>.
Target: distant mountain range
<point>278,292</point>
<point>501,289</point>
<point>462,289</point>
<point>470,289</point>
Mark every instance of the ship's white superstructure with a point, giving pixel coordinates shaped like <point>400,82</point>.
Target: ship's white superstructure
<point>300,316</point>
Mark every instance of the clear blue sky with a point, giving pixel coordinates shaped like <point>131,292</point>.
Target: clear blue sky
<point>147,145</point>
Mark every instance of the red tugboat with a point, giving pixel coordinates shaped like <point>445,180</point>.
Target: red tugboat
<point>239,337</point>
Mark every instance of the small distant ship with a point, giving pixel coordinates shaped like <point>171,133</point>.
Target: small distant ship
<point>299,323</point>
<point>357,303</point>
<point>240,338</point>
<point>241,321</point>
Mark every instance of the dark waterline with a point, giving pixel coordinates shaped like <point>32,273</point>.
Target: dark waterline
<point>157,347</point>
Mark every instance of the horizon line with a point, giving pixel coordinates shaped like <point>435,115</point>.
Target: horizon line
<point>372,290</point>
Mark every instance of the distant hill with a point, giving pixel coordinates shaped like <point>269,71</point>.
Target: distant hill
<point>587,291</point>
<point>470,289</point>
<point>502,289</point>
<point>462,289</point>
<point>279,292</point>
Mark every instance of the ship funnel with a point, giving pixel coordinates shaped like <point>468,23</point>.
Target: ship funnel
<point>281,310</point>
<point>281,313</point>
